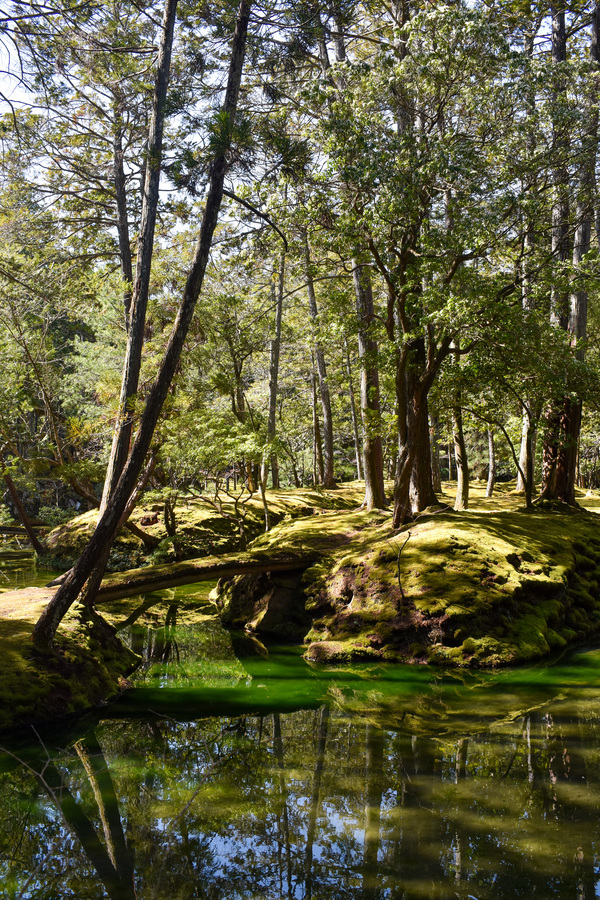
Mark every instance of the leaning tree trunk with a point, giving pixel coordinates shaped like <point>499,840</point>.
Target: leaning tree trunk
<point>369,389</point>
<point>12,490</point>
<point>108,522</point>
<point>139,300</point>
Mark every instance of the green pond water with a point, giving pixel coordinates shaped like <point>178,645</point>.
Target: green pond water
<point>224,773</point>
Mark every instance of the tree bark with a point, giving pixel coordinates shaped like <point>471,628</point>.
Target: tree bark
<point>528,298</point>
<point>555,465</point>
<point>369,389</point>
<point>436,474</point>
<point>122,217</point>
<point>411,407</point>
<point>328,476</point>
<point>357,447</point>
<point>273,379</point>
<point>68,592</point>
<point>318,465</point>
<point>489,491</point>
<point>422,494</point>
<point>462,463</point>
<point>460,450</point>
<point>12,490</point>
<point>563,420</point>
<point>520,486</point>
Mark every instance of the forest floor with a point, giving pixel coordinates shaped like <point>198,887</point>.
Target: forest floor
<point>491,586</point>
<point>494,585</point>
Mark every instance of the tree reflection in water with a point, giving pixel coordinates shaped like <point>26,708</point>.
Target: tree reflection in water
<point>318,803</point>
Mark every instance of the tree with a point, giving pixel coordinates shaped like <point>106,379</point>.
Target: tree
<point>571,242</point>
<point>108,522</point>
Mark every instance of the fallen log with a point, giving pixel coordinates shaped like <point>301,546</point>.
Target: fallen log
<point>26,603</point>
<point>208,568</point>
<point>19,530</point>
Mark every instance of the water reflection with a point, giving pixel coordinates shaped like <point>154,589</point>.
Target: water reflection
<point>385,783</point>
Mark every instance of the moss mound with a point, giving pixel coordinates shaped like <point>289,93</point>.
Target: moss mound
<point>495,586</point>
<point>87,669</point>
<point>201,529</point>
<point>469,589</point>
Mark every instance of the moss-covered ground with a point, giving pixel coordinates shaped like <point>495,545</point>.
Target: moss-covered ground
<point>201,530</point>
<point>88,669</point>
<point>85,670</point>
<point>494,585</point>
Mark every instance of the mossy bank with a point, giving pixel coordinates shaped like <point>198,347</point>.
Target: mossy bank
<point>88,668</point>
<point>200,529</point>
<point>494,586</point>
<point>489,587</point>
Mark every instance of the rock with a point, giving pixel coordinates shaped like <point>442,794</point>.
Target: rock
<point>270,604</point>
<point>150,519</point>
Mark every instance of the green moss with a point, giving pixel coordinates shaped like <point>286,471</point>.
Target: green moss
<point>475,588</point>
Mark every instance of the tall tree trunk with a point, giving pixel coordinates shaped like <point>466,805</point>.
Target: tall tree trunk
<point>108,522</point>
<point>563,416</point>
<point>318,464</point>
<point>460,449</point>
<point>462,463</point>
<point>274,377</point>
<point>139,300</point>
<point>578,307</point>
<point>369,389</point>
<point>328,478</point>
<point>357,447</point>
<point>422,494</point>
<point>528,297</point>
<point>520,486</point>
<point>411,407</point>
<point>559,299</point>
<point>122,217</point>
<point>434,435</point>
<point>489,491</point>
<point>12,490</point>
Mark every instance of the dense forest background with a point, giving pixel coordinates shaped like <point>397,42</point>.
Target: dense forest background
<point>403,279</point>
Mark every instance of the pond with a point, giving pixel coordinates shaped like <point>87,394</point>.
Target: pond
<point>224,773</point>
